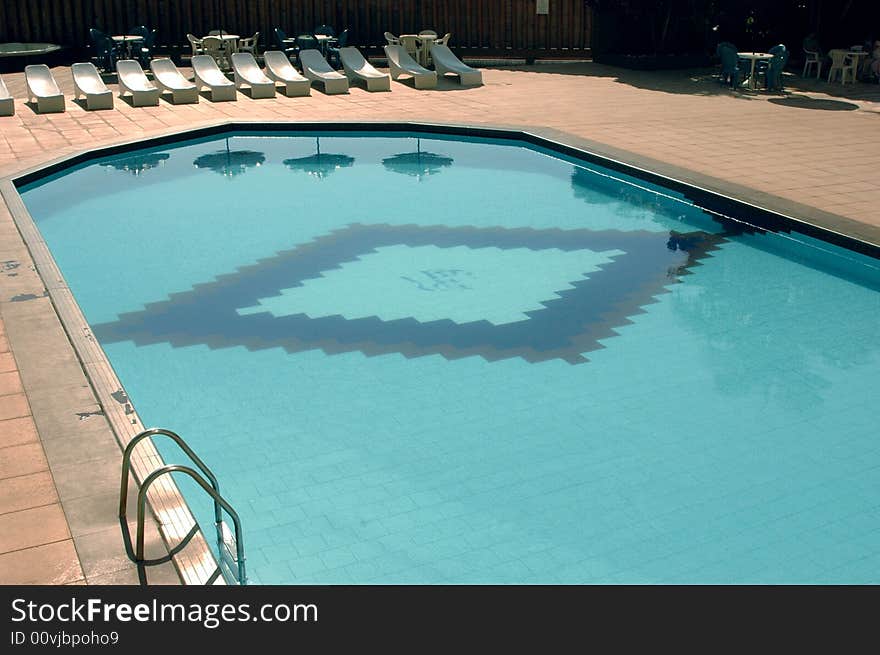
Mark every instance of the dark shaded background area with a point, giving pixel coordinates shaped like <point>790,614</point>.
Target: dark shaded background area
<point>696,26</point>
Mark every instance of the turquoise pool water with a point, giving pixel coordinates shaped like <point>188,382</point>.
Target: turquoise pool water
<point>426,360</point>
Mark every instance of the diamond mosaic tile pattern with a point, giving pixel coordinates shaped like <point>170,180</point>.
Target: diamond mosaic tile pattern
<point>636,266</point>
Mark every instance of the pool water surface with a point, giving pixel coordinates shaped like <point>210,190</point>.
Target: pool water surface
<point>419,359</point>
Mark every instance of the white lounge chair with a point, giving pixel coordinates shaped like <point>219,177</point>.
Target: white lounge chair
<point>446,62</point>
<point>358,68</point>
<point>207,74</point>
<point>316,68</point>
<point>400,63</point>
<point>247,73</point>
<point>279,69</point>
<point>87,82</point>
<point>42,89</point>
<point>7,104</point>
<point>132,80</point>
<point>170,80</point>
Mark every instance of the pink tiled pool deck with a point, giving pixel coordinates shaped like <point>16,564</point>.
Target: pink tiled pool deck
<point>811,153</point>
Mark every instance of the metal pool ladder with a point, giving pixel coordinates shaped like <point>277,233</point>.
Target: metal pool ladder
<point>230,545</point>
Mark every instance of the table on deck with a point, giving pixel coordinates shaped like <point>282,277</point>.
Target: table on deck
<point>754,57</point>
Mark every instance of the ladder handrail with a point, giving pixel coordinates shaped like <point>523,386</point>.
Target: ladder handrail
<point>218,500</point>
<point>212,486</point>
<point>157,432</point>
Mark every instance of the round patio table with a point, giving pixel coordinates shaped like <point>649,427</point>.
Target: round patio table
<point>27,49</point>
<point>125,41</point>
<point>754,57</point>
<point>856,54</point>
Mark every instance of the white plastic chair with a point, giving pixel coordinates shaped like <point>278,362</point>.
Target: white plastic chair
<point>413,46</point>
<point>7,104</point>
<point>316,68</point>
<point>356,67</point>
<point>170,80</point>
<point>811,58</point>
<point>196,44</point>
<point>132,80</point>
<point>400,63</point>
<point>207,74</point>
<point>444,40</point>
<point>391,39</point>
<point>249,44</point>
<point>87,82</point>
<point>446,62</point>
<point>42,89</point>
<point>247,72</point>
<point>214,48</point>
<point>279,69</point>
<point>842,63</point>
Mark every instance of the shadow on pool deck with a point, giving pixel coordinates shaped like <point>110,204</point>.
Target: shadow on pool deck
<point>704,81</point>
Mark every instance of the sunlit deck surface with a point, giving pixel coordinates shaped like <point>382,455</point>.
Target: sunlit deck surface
<point>811,153</point>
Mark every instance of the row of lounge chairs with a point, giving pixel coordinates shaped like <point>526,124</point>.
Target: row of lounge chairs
<point>44,93</point>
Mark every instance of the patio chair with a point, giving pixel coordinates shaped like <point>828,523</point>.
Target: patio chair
<point>249,44</point>
<point>87,82</point>
<point>206,73</point>
<point>7,103</point>
<point>247,72</point>
<point>145,53</point>
<point>316,68</point>
<point>170,80</point>
<point>196,44</point>
<point>444,40</point>
<point>214,48</point>
<point>400,63</point>
<point>731,74</point>
<point>356,67</point>
<point>42,89</point>
<point>773,71</point>
<point>841,63</point>
<point>391,39</point>
<point>428,33</point>
<point>324,30</point>
<point>445,62</point>
<point>335,46</point>
<point>279,69</point>
<point>812,58</point>
<point>132,80</point>
<point>282,43</point>
<point>305,42</point>
<point>413,46</point>
<point>105,54</point>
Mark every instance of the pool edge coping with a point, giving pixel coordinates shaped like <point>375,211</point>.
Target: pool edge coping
<point>167,503</point>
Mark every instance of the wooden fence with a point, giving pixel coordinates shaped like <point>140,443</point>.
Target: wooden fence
<point>494,25</point>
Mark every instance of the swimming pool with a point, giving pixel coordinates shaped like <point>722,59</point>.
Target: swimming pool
<point>422,359</point>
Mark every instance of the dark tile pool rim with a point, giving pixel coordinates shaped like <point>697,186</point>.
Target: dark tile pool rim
<point>170,507</point>
<point>838,230</point>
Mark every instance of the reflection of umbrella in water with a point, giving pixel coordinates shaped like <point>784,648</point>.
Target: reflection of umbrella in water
<point>419,164</point>
<point>230,162</point>
<point>137,164</point>
<point>321,164</point>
